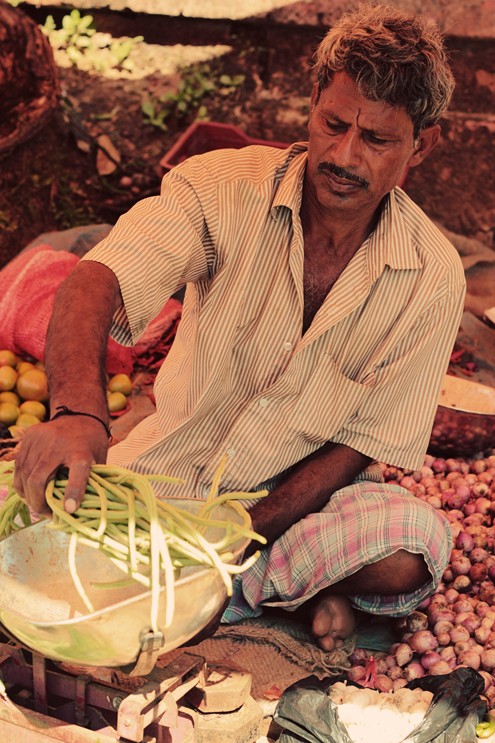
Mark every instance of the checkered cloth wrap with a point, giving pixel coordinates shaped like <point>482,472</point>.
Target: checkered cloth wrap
<point>362,523</point>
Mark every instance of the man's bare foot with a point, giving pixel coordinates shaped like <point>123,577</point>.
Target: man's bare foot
<point>332,620</point>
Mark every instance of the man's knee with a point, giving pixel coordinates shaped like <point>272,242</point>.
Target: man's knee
<point>398,573</point>
<point>411,571</point>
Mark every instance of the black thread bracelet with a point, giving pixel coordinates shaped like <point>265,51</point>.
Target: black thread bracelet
<point>64,410</point>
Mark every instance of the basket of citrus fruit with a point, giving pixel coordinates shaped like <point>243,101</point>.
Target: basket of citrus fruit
<point>24,398</point>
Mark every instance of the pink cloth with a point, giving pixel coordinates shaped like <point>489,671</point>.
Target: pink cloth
<point>28,285</point>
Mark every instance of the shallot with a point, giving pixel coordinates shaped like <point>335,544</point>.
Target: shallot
<point>455,626</point>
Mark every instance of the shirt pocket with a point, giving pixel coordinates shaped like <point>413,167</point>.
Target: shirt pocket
<point>328,402</point>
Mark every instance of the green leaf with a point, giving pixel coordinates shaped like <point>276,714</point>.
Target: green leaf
<point>148,108</point>
<point>85,23</point>
<point>49,24</point>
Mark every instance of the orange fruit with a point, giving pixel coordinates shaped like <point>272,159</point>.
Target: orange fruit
<point>116,401</point>
<point>33,407</point>
<point>7,358</point>
<point>26,420</point>
<point>33,385</point>
<point>10,396</point>
<point>120,383</point>
<point>8,413</point>
<point>24,366</point>
<point>8,378</point>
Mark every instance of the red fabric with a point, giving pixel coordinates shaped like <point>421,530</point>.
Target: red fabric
<point>28,285</point>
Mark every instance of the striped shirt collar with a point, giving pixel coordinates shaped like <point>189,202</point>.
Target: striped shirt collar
<point>390,243</point>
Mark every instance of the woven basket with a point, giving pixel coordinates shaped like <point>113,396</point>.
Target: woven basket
<point>29,87</point>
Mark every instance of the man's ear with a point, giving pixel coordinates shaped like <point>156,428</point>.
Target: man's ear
<point>424,144</point>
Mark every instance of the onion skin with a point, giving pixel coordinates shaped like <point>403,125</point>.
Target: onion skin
<point>451,595</point>
<point>487,678</point>
<point>488,659</point>
<point>356,673</point>
<point>459,634</point>
<point>383,683</point>
<point>470,658</point>
<point>443,638</point>
<point>403,654</point>
<point>448,653</point>
<point>359,656</point>
<point>417,620</point>
<point>422,641</point>
<point>478,554</point>
<point>478,572</point>
<point>482,634</point>
<point>463,605</point>
<point>443,626</point>
<point>429,658</point>
<point>395,673</point>
<point>461,565</point>
<point>414,671</point>
<point>462,583</point>
<point>464,541</point>
<point>438,669</point>
<point>438,615</point>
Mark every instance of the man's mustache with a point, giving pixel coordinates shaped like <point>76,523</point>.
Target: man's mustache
<point>342,173</point>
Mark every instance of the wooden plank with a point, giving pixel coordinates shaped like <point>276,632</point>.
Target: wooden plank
<point>19,724</point>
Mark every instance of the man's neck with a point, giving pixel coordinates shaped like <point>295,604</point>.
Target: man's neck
<point>336,233</point>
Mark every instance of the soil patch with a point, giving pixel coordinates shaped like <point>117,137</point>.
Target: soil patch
<point>102,149</point>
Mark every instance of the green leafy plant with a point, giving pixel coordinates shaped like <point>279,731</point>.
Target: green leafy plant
<point>154,114</point>
<point>75,33</point>
<point>79,40</point>
<point>229,84</point>
<point>188,101</point>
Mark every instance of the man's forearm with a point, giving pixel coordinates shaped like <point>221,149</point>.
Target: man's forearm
<point>77,338</point>
<point>306,489</point>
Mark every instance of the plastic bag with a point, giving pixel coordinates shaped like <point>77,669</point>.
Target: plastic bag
<point>306,713</point>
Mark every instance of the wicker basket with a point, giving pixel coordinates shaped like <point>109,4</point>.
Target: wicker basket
<point>29,87</point>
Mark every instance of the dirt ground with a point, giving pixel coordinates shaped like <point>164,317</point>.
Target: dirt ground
<point>254,76</point>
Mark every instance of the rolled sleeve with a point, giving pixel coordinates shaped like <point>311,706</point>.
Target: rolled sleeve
<point>154,249</point>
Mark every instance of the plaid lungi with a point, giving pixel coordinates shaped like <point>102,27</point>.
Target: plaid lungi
<point>362,523</point>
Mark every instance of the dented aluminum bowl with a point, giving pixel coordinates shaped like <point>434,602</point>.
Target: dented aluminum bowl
<point>465,419</point>
<point>41,607</point>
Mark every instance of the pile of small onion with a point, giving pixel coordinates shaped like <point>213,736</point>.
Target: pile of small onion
<point>456,626</point>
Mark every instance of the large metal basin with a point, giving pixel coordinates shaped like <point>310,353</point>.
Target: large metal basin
<point>41,607</point>
<point>465,418</point>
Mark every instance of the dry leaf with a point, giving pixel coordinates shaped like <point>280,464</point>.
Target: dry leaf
<point>108,158</point>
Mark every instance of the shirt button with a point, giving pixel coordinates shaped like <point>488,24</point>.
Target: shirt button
<point>230,452</point>
<point>263,403</point>
<point>287,346</point>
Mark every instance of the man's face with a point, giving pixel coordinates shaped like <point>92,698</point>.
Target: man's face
<point>358,150</point>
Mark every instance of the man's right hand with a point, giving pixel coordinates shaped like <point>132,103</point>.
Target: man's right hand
<point>75,442</point>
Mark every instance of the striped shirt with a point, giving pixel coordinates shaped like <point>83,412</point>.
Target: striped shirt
<point>241,378</point>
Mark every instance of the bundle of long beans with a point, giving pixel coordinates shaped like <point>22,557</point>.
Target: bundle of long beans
<point>148,538</point>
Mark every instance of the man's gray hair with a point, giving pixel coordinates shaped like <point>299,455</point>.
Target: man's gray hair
<point>392,57</point>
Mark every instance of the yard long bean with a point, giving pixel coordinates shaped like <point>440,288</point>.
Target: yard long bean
<point>147,538</point>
